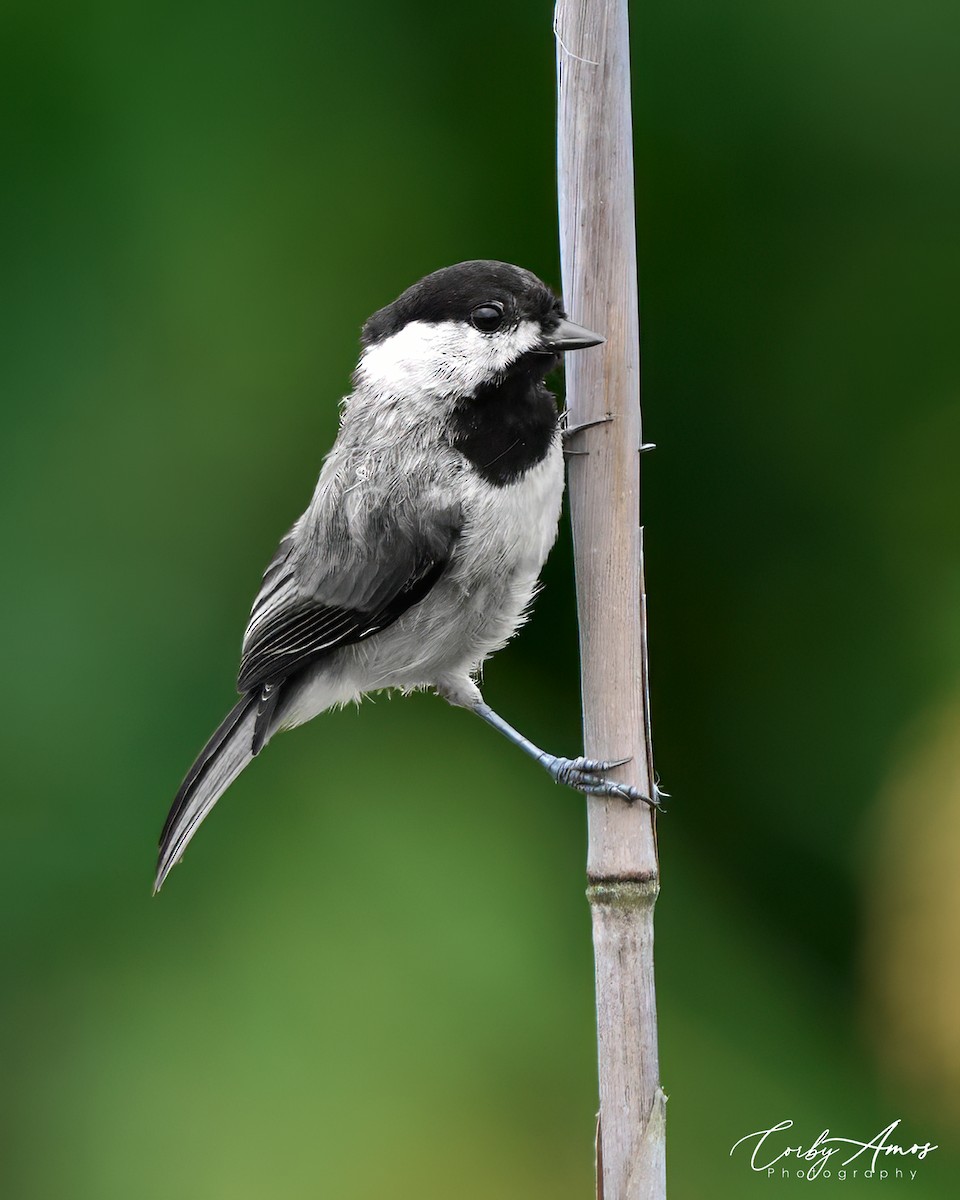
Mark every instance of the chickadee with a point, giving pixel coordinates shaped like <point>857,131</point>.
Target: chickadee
<point>419,554</point>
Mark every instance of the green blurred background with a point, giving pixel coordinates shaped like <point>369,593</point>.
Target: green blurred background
<point>372,974</point>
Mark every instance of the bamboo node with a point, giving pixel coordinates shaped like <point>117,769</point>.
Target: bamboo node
<point>624,893</point>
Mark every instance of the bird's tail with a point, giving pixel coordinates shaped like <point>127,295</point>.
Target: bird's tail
<point>219,763</point>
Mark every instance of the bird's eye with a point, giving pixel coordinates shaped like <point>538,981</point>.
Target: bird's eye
<point>487,317</point>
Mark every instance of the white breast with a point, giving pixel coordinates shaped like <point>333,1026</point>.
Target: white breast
<point>515,525</point>
<point>478,603</point>
<point>483,597</point>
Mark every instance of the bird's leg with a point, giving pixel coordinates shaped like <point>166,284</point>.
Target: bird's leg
<point>584,774</point>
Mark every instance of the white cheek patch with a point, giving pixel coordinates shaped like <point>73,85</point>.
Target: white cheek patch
<point>448,358</point>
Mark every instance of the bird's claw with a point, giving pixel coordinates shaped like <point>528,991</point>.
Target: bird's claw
<point>586,775</point>
<point>569,432</point>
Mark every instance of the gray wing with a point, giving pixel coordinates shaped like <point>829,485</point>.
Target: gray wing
<point>337,581</point>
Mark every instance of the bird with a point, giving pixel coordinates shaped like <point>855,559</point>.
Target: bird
<point>420,551</point>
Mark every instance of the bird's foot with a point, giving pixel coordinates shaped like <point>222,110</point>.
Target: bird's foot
<point>569,432</point>
<point>587,775</point>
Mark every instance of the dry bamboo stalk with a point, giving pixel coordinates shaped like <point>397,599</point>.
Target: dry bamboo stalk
<point>598,252</point>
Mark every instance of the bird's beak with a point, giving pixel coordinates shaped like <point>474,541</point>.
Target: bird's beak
<point>569,336</point>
